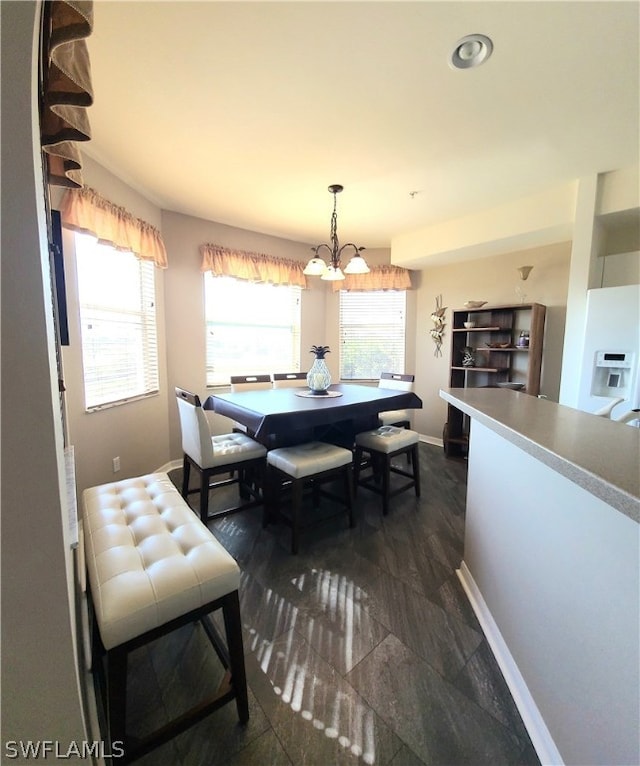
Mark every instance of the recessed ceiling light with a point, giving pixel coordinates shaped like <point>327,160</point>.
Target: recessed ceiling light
<point>471,51</point>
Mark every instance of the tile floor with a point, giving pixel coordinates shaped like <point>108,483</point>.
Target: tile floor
<point>361,650</point>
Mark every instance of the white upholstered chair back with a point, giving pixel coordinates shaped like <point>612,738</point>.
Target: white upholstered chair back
<point>250,382</point>
<point>290,380</point>
<point>396,381</point>
<point>196,435</point>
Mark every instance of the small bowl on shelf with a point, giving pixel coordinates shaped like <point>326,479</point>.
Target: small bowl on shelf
<point>469,325</point>
<point>499,345</point>
<point>512,386</point>
<point>474,304</point>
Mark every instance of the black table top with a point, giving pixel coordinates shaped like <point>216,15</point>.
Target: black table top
<point>270,413</point>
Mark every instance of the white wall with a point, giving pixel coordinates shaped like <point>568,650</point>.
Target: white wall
<point>558,570</point>
<point>40,690</point>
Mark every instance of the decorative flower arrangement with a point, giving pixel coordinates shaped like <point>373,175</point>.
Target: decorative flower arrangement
<point>437,317</point>
<point>320,351</point>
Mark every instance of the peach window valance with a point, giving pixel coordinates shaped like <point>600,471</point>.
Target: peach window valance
<point>66,89</point>
<point>378,278</point>
<point>84,210</point>
<point>253,267</point>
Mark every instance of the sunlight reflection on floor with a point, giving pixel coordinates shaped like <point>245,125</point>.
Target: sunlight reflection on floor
<point>290,669</point>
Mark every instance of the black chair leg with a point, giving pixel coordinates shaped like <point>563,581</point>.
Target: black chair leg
<point>296,504</point>
<point>349,488</point>
<point>204,497</point>
<point>415,460</point>
<point>186,471</point>
<point>386,473</point>
<point>357,463</point>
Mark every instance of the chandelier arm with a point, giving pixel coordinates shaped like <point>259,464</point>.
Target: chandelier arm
<point>350,244</point>
<point>319,247</point>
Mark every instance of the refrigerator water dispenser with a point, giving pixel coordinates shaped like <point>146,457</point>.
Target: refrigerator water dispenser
<point>612,374</point>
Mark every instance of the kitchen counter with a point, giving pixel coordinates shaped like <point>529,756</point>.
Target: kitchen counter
<point>598,454</point>
<point>552,568</point>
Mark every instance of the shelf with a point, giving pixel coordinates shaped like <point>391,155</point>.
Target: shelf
<point>483,369</point>
<point>494,325</point>
<point>459,440</point>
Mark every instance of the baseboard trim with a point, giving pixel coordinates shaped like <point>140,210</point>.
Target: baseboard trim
<point>172,465</point>
<point>540,736</point>
<point>432,440</point>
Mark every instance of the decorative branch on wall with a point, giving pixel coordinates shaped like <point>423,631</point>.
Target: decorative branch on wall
<point>437,317</point>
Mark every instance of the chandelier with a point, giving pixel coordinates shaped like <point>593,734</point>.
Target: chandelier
<point>333,272</point>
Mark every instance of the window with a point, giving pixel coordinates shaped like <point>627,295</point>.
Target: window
<point>251,328</point>
<point>372,328</point>
<point>118,323</point>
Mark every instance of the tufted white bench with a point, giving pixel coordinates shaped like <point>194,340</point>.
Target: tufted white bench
<point>154,566</point>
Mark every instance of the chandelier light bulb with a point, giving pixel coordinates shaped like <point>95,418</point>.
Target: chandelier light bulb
<point>315,268</point>
<point>333,274</point>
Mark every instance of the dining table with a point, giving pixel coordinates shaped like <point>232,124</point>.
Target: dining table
<point>287,416</point>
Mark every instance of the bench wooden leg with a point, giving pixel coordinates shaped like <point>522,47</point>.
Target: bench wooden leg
<point>233,628</point>
<point>116,659</point>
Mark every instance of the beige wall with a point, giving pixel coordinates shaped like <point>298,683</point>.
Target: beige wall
<point>136,432</point>
<point>493,279</point>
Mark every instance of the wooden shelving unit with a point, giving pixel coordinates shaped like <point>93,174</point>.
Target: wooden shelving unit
<point>505,361</point>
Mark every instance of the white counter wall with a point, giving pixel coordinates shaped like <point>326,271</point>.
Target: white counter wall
<point>553,573</point>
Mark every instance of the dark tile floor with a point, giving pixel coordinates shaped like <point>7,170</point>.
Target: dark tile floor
<point>361,649</point>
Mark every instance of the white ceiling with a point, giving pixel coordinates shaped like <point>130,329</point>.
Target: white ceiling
<point>245,112</point>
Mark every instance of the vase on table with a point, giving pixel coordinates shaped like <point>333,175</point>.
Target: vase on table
<point>319,377</point>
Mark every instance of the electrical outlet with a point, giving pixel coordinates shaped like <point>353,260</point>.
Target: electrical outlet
<point>116,464</point>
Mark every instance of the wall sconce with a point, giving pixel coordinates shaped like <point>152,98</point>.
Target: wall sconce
<point>524,272</point>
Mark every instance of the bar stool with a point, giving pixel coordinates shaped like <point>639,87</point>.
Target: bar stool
<point>397,382</point>
<point>382,445</point>
<point>312,463</point>
<point>210,456</point>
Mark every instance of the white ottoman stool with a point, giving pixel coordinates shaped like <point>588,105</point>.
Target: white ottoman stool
<point>312,462</point>
<point>153,567</point>
<point>382,445</point>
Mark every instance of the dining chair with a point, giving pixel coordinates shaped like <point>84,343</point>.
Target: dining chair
<point>399,382</point>
<point>250,382</point>
<point>309,464</point>
<point>290,380</point>
<point>235,454</point>
<point>380,446</point>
